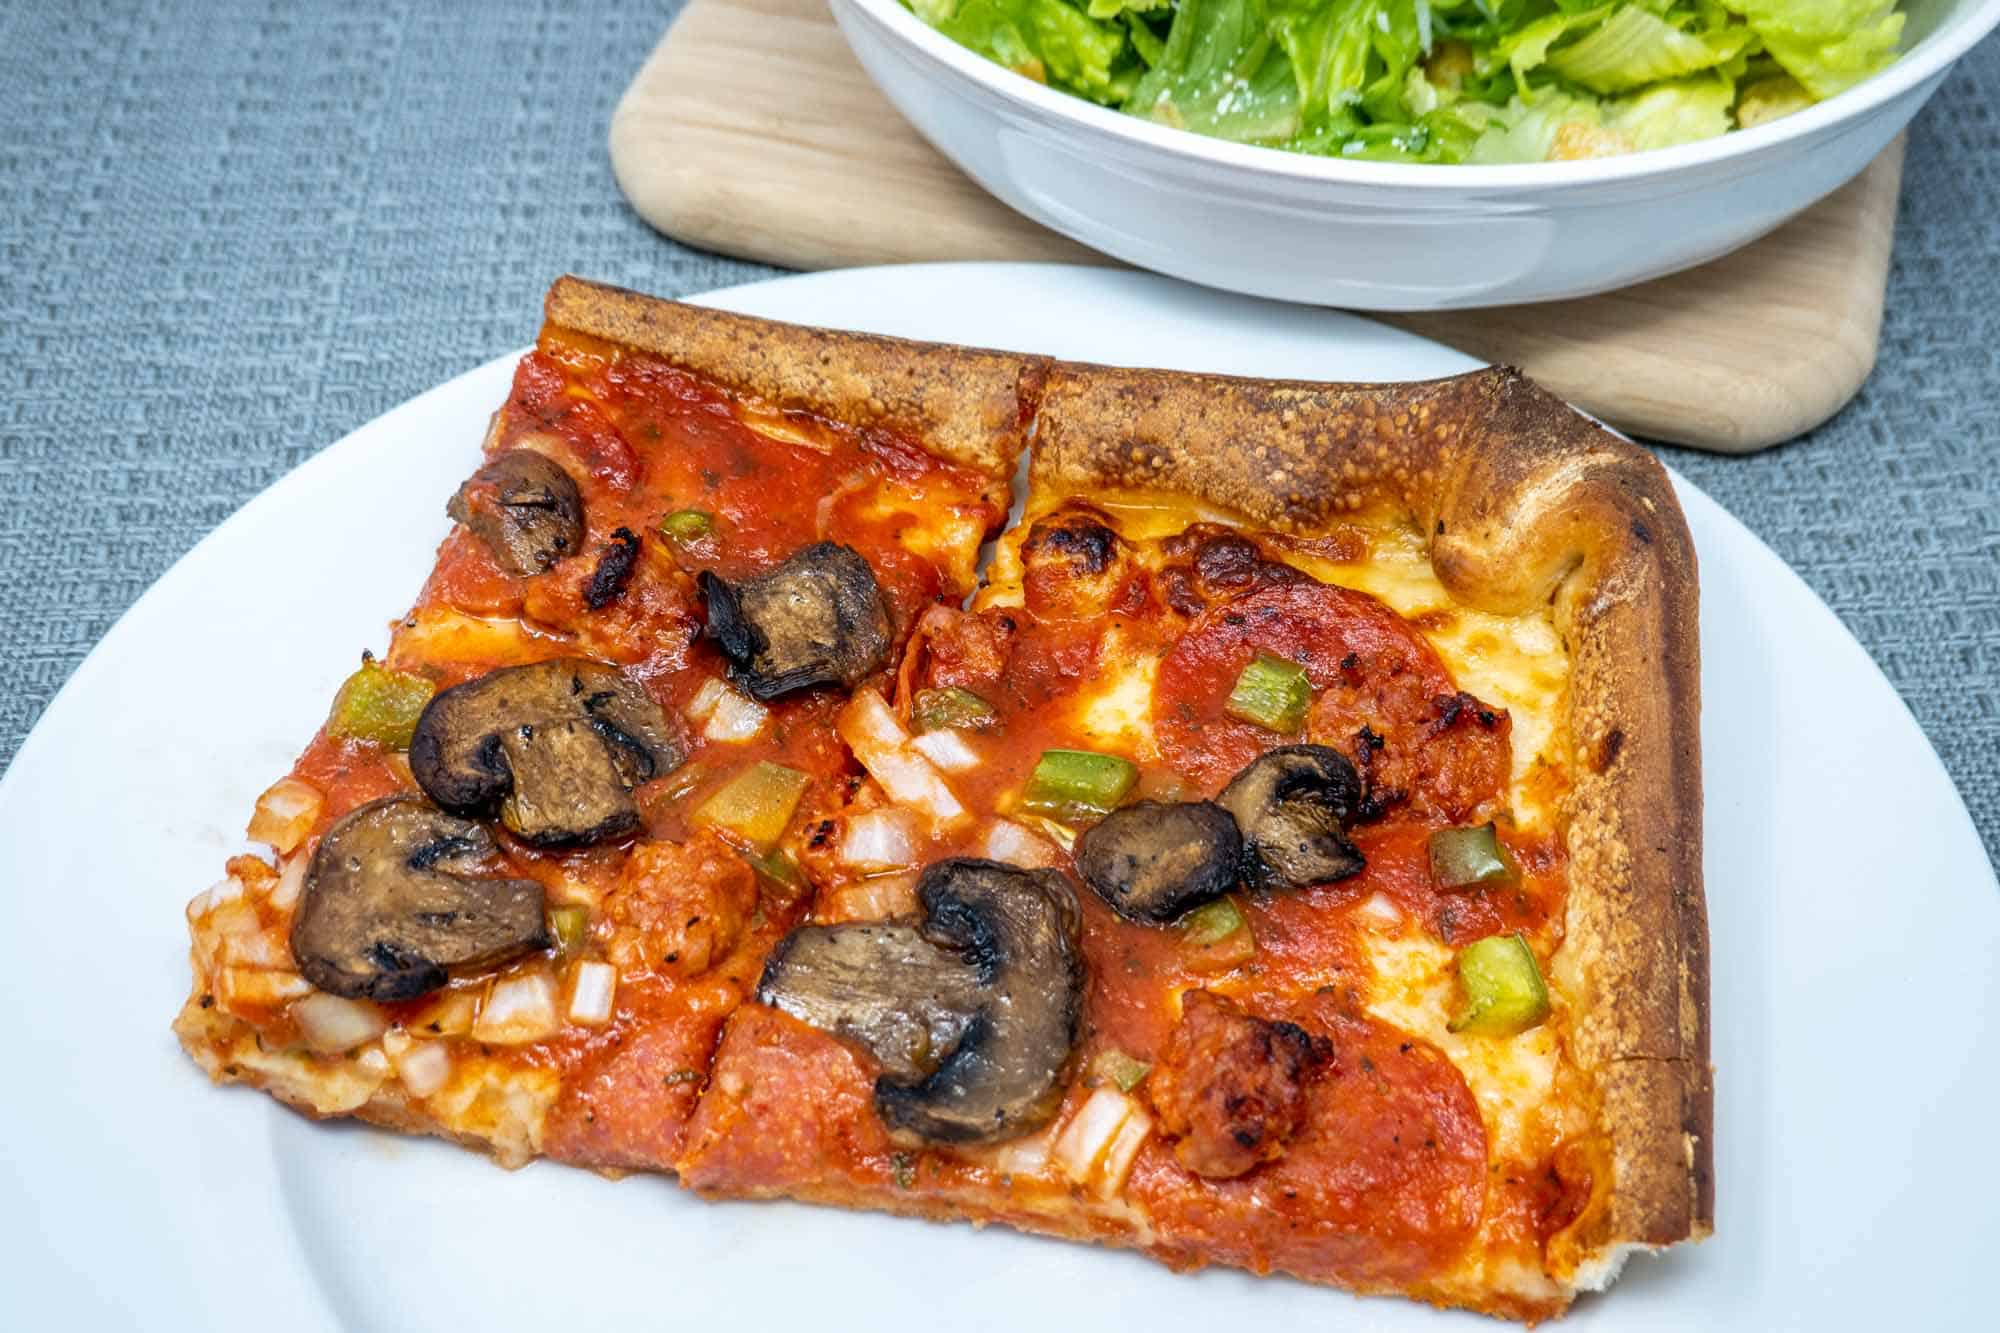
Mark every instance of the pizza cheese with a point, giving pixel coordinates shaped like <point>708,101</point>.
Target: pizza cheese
<point>1287,856</point>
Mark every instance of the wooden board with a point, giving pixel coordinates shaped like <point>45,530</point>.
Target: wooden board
<point>753,132</point>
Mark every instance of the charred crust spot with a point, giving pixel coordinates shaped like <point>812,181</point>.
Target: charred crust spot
<point>1607,750</point>
<point>1642,532</point>
<point>614,570</point>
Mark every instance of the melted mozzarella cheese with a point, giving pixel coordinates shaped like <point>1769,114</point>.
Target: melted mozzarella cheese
<point>1117,711</point>
<point>1510,1077</point>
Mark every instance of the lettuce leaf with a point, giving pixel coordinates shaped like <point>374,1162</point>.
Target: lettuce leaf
<point>1827,45</point>
<point>1221,73</point>
<point>1049,41</point>
<point>1635,47</point>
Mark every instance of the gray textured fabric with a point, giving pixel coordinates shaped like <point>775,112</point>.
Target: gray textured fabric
<point>232,232</point>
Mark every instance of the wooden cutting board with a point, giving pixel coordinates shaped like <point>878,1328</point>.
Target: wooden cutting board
<point>753,132</point>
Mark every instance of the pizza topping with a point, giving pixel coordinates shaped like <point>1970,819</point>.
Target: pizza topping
<point>379,704</point>
<point>393,903</point>
<point>973,1014</point>
<point>1074,565</point>
<point>951,706</point>
<point>1231,1087</point>
<point>1504,992</point>
<point>1153,861</point>
<point>1078,784</point>
<point>1272,693</point>
<point>906,774</point>
<point>1293,805</point>
<point>555,747</point>
<point>690,531</point>
<point>1464,857</point>
<point>817,619</point>
<point>615,564</point>
<point>524,507</point>
<point>756,805</point>
<point>679,909</point>
<point>1216,937</point>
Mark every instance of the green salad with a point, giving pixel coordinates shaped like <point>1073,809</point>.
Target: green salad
<point>1477,81</point>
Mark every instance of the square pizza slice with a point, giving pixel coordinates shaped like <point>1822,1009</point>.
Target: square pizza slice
<point>1290,860</point>
<point>540,848</point>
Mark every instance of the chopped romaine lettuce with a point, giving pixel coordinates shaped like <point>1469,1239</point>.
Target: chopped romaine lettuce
<point>1445,81</point>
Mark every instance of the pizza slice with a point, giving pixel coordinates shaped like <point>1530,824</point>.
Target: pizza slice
<point>1291,860</point>
<point>541,847</point>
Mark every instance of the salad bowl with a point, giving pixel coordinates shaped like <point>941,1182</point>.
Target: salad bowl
<point>1388,235</point>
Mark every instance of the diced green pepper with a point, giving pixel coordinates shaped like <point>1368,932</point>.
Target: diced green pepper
<point>568,924</point>
<point>1078,784</point>
<point>1211,923</point>
<point>1272,693</point>
<point>779,868</point>
<point>1504,994</point>
<point>756,804</point>
<point>950,706</point>
<point>1120,1069</point>
<point>379,704</point>
<point>687,528</point>
<point>1462,857</point>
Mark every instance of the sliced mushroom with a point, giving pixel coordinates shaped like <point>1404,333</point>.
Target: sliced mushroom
<point>1293,805</point>
<point>554,748</point>
<point>392,904</point>
<point>1153,861</point>
<point>974,1014</point>
<point>817,619</point>
<point>524,507</point>
<point>882,985</point>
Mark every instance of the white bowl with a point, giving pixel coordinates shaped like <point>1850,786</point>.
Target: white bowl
<point>1382,235</point>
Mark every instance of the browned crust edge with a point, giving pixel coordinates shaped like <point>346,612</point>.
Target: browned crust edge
<point>966,405</point>
<point>1525,502</point>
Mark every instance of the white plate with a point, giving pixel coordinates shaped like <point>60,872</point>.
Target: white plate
<point>1855,921</point>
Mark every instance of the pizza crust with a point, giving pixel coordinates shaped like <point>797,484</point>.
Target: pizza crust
<point>1525,502</point>
<point>966,405</point>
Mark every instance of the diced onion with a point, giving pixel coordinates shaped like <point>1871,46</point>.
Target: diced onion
<point>880,840</point>
<point>332,1024</point>
<point>1084,1147</point>
<point>735,718</point>
<point>1124,1148</point>
<point>947,749</point>
<point>256,948</point>
<point>1018,846</point>
<point>591,993</point>
<point>240,988</point>
<point>285,813</point>
<point>423,1066</point>
<point>881,898</point>
<point>291,881</point>
<point>449,1015</point>
<point>883,747</point>
<point>518,1009</point>
<point>869,723</point>
<point>1024,1157</point>
<point>212,897</point>
<point>705,699</point>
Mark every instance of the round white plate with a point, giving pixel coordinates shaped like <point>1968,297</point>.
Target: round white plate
<point>1856,928</point>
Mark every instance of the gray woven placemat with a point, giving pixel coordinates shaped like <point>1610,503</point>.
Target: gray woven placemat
<point>232,232</point>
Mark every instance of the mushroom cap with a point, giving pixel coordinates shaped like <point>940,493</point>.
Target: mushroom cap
<point>524,507</point>
<point>974,1013</point>
<point>817,619</point>
<point>554,748</point>
<point>1293,806</point>
<point>1152,861</point>
<point>393,904</point>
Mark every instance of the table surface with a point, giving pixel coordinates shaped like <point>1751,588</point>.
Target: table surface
<point>231,232</point>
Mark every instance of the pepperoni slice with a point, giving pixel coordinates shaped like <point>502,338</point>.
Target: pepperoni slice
<point>1349,644</point>
<point>1383,1183</point>
<point>1381,696</point>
